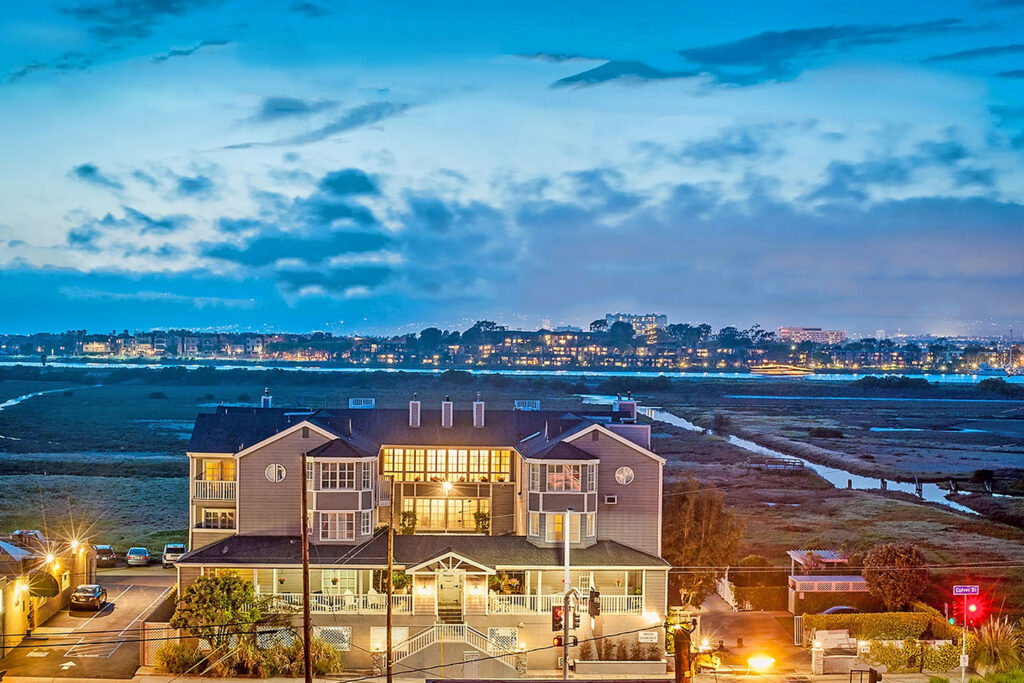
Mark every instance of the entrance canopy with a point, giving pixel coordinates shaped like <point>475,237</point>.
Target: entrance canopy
<point>449,559</point>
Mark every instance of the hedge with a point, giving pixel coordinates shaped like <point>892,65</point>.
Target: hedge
<point>763,597</point>
<point>815,603</point>
<point>905,657</point>
<point>883,625</point>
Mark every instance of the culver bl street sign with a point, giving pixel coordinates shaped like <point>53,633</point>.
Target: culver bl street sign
<point>965,590</point>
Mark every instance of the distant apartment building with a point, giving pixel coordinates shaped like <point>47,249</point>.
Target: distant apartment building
<point>817,335</point>
<point>645,324</point>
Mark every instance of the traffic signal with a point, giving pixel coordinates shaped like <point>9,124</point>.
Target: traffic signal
<point>594,603</point>
<point>971,612</point>
<point>575,618</point>
<point>557,617</point>
<point>557,641</point>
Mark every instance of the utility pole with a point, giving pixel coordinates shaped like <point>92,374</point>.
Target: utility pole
<point>391,564</point>
<point>566,616</point>
<point>307,650</point>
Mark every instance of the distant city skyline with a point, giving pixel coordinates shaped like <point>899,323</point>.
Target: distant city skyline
<point>379,169</point>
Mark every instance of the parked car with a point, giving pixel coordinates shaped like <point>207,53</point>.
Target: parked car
<point>105,556</point>
<point>172,553</point>
<point>89,595</point>
<point>137,557</point>
<point>842,609</point>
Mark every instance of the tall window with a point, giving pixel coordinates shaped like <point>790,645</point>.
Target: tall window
<point>563,477</point>
<point>534,477</point>
<point>555,523</point>
<point>457,514</point>
<point>534,529</point>
<point>367,475</point>
<point>218,470</point>
<point>366,526</point>
<point>448,464</point>
<point>591,523</point>
<point>436,464</point>
<point>592,477</point>
<point>501,465</point>
<point>337,475</point>
<point>337,526</point>
<point>479,465</point>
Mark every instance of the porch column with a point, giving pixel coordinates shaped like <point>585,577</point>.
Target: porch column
<point>540,589</point>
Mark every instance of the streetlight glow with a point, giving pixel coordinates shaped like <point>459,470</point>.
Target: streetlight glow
<point>761,663</point>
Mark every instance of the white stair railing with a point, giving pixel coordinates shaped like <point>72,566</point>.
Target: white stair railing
<point>454,633</point>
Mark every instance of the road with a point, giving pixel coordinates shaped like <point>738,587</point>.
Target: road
<point>79,644</point>
<point>761,632</point>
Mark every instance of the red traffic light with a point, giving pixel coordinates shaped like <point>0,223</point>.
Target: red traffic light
<point>971,612</point>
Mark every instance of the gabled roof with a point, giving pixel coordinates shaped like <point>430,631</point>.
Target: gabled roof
<point>491,551</point>
<point>230,429</point>
<point>338,448</point>
<point>560,450</point>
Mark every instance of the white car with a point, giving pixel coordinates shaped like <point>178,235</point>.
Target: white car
<point>172,553</point>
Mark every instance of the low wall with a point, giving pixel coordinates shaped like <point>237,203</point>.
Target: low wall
<point>620,668</point>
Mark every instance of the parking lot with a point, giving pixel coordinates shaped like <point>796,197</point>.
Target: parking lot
<point>90,644</point>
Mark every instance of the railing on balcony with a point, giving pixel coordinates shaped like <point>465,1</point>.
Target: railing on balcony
<point>529,604</point>
<point>383,491</point>
<point>213,490</point>
<point>321,603</point>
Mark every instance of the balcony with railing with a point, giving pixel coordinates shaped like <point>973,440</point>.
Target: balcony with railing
<point>214,490</point>
<point>534,604</point>
<point>322,603</point>
<point>383,491</point>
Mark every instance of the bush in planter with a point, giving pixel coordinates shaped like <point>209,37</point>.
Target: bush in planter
<point>607,650</point>
<point>636,652</point>
<point>654,653</point>
<point>621,652</point>
<point>998,645</point>
<point>586,652</point>
<point>177,658</point>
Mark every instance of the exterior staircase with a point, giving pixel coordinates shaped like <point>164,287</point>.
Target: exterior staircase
<point>449,615</point>
<point>455,633</point>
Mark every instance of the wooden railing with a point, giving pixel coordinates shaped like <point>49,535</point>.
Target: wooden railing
<point>213,490</point>
<point>321,603</point>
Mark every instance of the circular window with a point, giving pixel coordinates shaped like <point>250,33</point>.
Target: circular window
<point>624,475</point>
<point>276,473</point>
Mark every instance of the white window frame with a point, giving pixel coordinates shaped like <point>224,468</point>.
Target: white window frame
<point>366,522</point>
<point>534,522</point>
<point>549,527</point>
<point>337,526</point>
<point>574,527</point>
<point>275,473</point>
<point>591,524</point>
<point>337,476</point>
<point>367,476</point>
<point>534,476</point>
<point>219,513</point>
<point>591,478</point>
<point>561,483</point>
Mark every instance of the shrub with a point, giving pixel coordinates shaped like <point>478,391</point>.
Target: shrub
<point>883,625</point>
<point>607,650</point>
<point>586,652</point>
<point>998,645</point>
<point>621,653</point>
<point>157,394</point>
<point>407,523</point>
<point>177,658</point>
<point>654,653</point>
<point>720,423</point>
<point>895,573</point>
<point>768,598</point>
<point>636,652</point>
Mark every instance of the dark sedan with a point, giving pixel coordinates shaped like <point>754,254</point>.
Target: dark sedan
<point>89,596</point>
<point>105,556</point>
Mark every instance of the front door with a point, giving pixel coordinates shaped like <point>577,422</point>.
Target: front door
<point>449,594</point>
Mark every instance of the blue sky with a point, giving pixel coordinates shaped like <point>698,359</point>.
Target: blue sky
<point>382,167</point>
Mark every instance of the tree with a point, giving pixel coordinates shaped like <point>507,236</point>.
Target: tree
<point>699,535</point>
<point>895,573</point>
<point>620,334</point>
<point>599,325</point>
<point>430,338</point>
<point>220,608</point>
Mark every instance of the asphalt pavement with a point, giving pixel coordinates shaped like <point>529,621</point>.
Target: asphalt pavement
<point>94,644</point>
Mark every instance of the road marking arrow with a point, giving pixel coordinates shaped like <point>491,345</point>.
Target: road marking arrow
<point>67,665</point>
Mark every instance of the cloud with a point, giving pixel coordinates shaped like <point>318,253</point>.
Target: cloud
<point>1016,73</point>
<point>781,55</point>
<point>984,177</point>
<point>90,173</point>
<point>153,297</point>
<point>148,224</point>
<point>309,9</point>
<point>194,187</point>
<point>993,51</point>
<point>356,117</point>
<point>624,71</point>
<point>349,181</point>
<point>948,152</point>
<point>851,181</point>
<point>738,141</point>
<point>555,57</point>
<point>274,245</point>
<point>111,20</point>
<point>145,178</point>
<point>69,62</point>
<point>186,51</point>
<point>275,108</point>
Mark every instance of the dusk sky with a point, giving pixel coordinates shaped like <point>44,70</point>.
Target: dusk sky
<point>383,167</point>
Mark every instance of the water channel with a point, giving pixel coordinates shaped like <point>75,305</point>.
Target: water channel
<point>839,478</point>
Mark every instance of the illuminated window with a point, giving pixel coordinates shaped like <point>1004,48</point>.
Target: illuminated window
<point>337,526</point>
<point>501,465</point>
<point>479,465</point>
<point>218,470</point>
<point>218,519</point>
<point>534,529</point>
<point>553,526</point>
<point>446,513</point>
<point>437,464</point>
<point>458,465</point>
<point>563,477</point>
<point>591,523</point>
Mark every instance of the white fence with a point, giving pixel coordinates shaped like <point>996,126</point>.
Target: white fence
<point>320,603</point>
<point>213,490</point>
<point>530,604</point>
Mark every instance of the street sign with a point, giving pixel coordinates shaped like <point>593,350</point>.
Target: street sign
<point>965,660</point>
<point>965,590</point>
<point>647,636</point>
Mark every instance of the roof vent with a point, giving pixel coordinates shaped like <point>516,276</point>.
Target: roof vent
<point>414,412</point>
<point>526,405</point>
<point>478,412</point>
<point>447,412</point>
<point>266,400</point>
